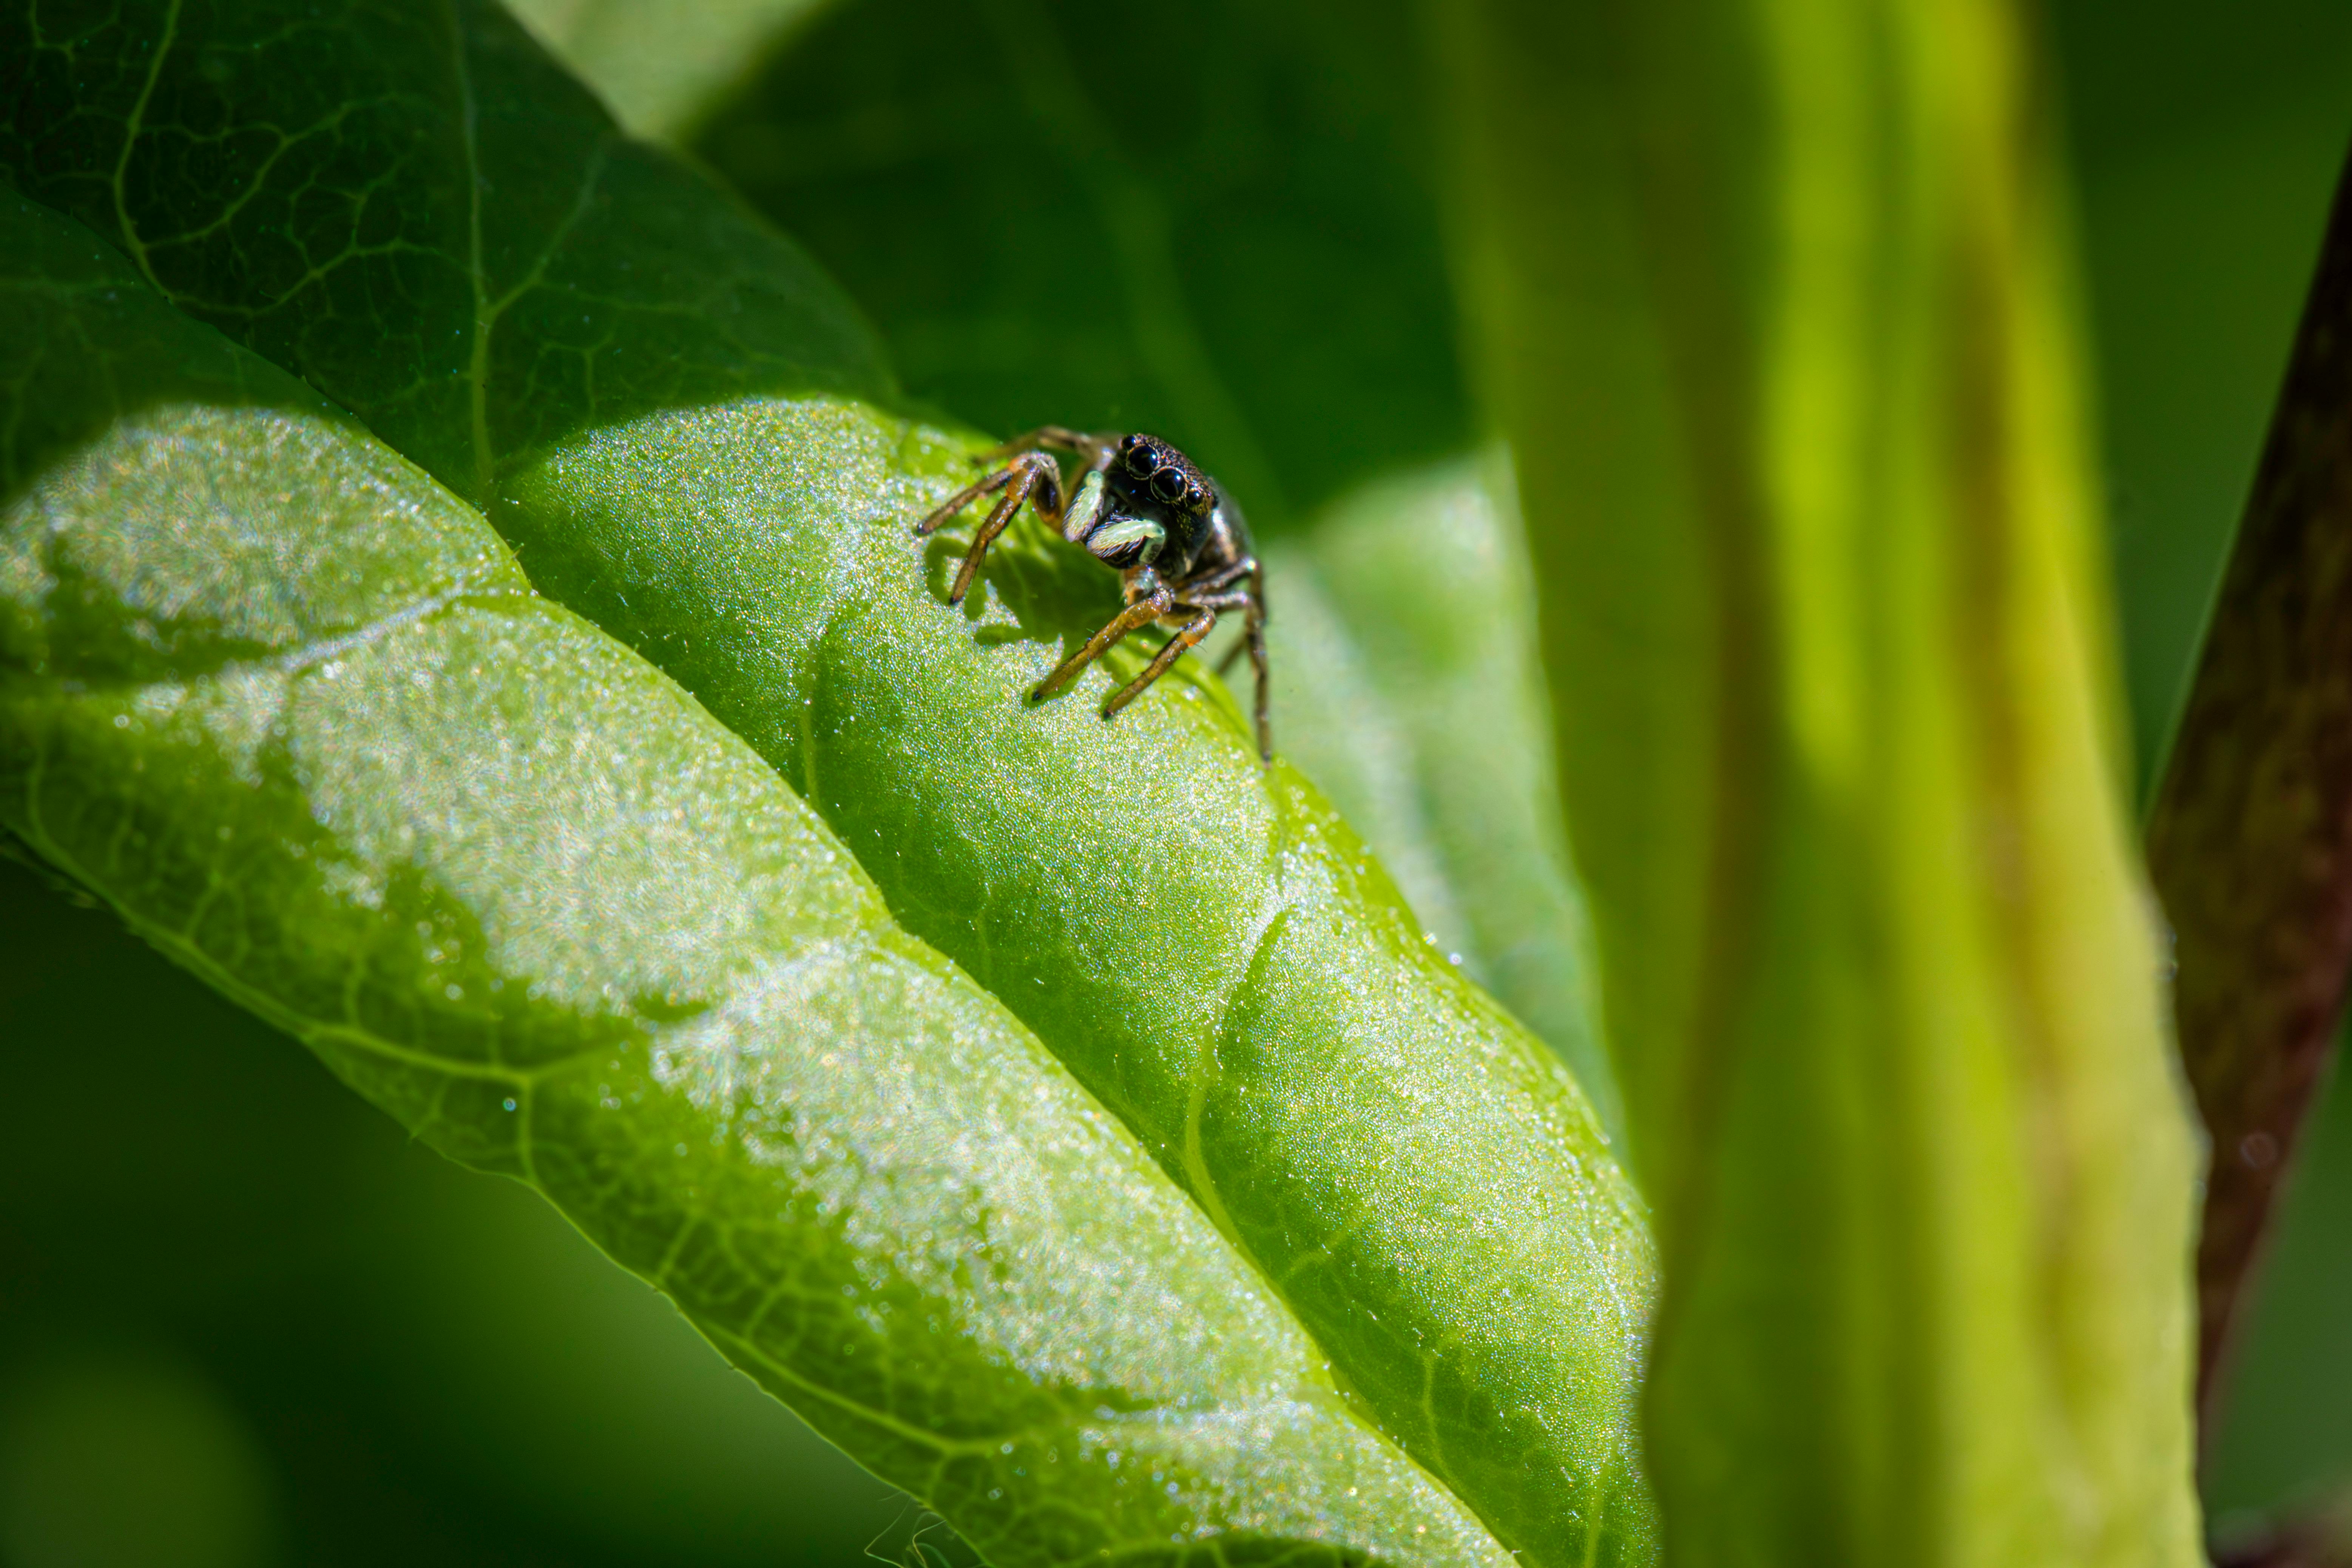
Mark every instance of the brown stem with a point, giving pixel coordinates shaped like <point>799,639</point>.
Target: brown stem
<point>2251,840</point>
<point>2314,1539</point>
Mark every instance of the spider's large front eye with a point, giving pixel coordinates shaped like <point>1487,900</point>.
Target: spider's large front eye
<point>1140,458</point>
<point>1168,486</point>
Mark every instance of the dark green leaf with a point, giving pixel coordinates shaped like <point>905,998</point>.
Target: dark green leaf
<point>1214,221</point>
<point>430,222</point>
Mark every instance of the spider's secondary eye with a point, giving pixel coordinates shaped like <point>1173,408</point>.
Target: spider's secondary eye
<point>1194,499</point>
<point>1168,486</point>
<point>1141,459</point>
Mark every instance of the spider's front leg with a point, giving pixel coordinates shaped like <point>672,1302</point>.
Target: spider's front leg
<point>1031,476</point>
<point>1147,599</point>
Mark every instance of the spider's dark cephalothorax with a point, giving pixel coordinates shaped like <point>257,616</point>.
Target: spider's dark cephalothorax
<point>1145,509</point>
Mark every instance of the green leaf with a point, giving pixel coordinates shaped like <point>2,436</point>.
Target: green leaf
<point>293,710</point>
<point>429,221</point>
<point>1300,265</point>
<point>1787,346</point>
<point>873,133</point>
<point>1205,945</point>
<point>1407,679</point>
<point>437,1367</point>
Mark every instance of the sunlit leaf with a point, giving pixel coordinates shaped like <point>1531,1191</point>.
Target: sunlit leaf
<point>660,412</point>
<point>1405,664</point>
<point>292,711</point>
<point>661,63</point>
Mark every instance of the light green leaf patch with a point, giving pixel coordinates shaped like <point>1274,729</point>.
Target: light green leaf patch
<point>660,64</point>
<point>1406,676</point>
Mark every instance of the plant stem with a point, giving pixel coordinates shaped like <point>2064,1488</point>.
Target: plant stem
<point>2250,843</point>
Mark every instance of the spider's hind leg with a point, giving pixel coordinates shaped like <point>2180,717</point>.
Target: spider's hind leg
<point>1253,635</point>
<point>1253,644</point>
<point>1251,602</point>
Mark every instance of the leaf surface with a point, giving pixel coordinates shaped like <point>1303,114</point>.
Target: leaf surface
<point>1205,945</point>
<point>873,135</point>
<point>1407,677</point>
<point>294,711</point>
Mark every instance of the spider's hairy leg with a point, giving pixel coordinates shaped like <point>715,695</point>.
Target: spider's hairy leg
<point>1251,603</point>
<point>1098,450</point>
<point>1215,591</point>
<point>1253,638</point>
<point>1253,634</point>
<point>965,498</point>
<point>1031,476</point>
<point>1059,437</point>
<point>1188,636</point>
<point>1149,600</point>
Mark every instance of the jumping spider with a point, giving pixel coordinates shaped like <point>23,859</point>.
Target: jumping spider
<point>1143,507</point>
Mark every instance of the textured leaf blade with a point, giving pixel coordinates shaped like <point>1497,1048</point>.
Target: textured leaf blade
<point>1208,945</point>
<point>293,710</point>
<point>1407,678</point>
<point>1208,948</point>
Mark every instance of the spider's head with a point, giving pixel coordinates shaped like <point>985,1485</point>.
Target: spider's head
<point>1150,473</point>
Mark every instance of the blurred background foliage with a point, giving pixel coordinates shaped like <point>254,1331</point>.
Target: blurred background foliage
<point>1216,221</point>
<point>240,1308</point>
